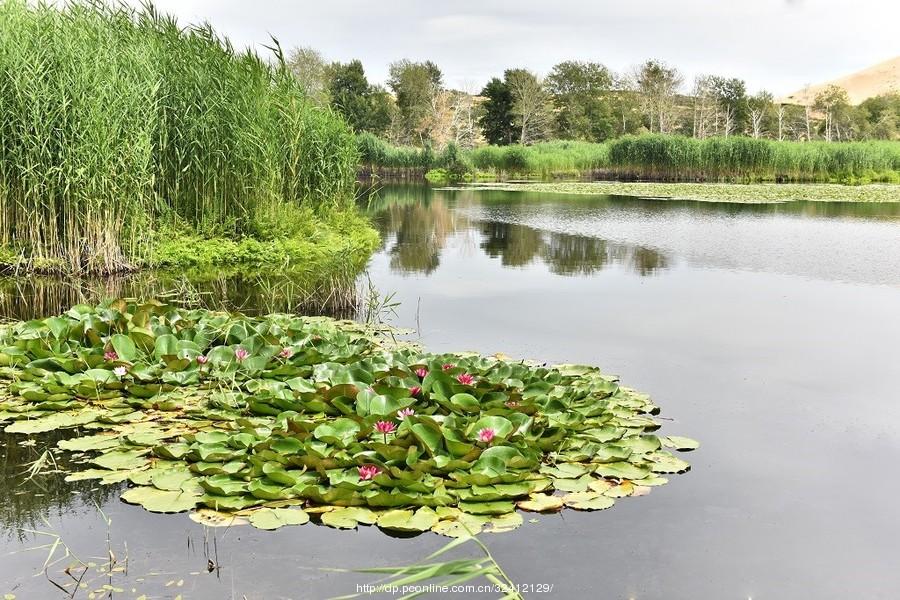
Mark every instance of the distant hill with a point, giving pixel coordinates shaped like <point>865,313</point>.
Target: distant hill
<point>882,78</point>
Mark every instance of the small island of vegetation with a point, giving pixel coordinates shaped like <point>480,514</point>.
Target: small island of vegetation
<point>270,420</point>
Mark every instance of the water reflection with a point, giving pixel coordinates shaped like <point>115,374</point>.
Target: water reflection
<point>28,496</point>
<point>23,298</point>
<point>416,225</point>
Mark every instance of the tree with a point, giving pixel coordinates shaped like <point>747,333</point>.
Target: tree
<point>531,108</point>
<point>781,113</point>
<point>731,100</point>
<point>882,116</point>
<point>760,108</point>
<point>658,85</point>
<point>309,68</point>
<point>720,106</point>
<point>451,119</point>
<point>704,120</point>
<point>415,85</point>
<point>581,93</point>
<point>382,110</point>
<point>834,104</point>
<point>496,118</point>
<point>465,124</point>
<point>366,108</point>
<point>625,105</point>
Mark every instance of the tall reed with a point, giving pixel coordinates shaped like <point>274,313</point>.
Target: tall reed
<point>114,120</point>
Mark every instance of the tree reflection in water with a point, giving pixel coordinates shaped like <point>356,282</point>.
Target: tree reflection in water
<point>416,224</point>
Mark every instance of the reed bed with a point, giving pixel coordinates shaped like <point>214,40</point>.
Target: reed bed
<point>544,160</point>
<point>662,158</point>
<point>677,158</point>
<point>547,159</point>
<point>115,121</point>
<point>377,155</point>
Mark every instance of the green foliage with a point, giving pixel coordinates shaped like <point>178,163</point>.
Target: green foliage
<point>9,259</point>
<point>455,162</point>
<point>414,85</point>
<point>283,411</point>
<point>580,92</point>
<point>114,121</point>
<point>334,242</point>
<point>881,116</point>
<point>497,119</point>
<point>365,107</point>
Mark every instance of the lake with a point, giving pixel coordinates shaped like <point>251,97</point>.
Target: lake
<point>769,332</point>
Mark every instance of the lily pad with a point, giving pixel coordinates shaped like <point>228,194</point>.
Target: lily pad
<point>677,442</point>
<point>541,503</point>
<point>162,501</point>
<point>422,519</point>
<point>275,518</point>
<point>348,517</point>
<point>588,501</point>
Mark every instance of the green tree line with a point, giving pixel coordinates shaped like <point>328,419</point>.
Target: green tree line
<point>580,101</point>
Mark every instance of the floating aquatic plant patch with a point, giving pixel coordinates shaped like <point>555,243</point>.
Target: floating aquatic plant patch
<point>275,419</point>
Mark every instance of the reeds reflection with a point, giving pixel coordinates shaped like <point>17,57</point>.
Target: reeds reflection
<point>23,298</point>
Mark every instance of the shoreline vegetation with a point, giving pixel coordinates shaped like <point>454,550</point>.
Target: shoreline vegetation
<point>653,157</point>
<point>751,193</point>
<point>130,142</point>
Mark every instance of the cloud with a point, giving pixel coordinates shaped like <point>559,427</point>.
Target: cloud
<point>459,28</point>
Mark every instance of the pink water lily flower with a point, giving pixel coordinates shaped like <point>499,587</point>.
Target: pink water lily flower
<point>120,371</point>
<point>486,435</point>
<point>367,472</point>
<point>286,352</point>
<point>415,391</point>
<point>405,412</point>
<point>465,379</point>
<point>202,359</point>
<point>385,426</point>
<point>240,354</point>
<point>421,372</point>
<point>447,366</point>
<point>110,356</point>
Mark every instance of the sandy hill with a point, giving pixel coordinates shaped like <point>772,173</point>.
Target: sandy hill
<point>882,78</point>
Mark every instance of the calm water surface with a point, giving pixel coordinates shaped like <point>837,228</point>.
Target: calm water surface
<point>768,332</point>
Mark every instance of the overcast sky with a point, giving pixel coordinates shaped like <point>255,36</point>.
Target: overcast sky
<point>779,45</point>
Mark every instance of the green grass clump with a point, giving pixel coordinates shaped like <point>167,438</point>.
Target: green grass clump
<point>339,241</point>
<point>117,122</point>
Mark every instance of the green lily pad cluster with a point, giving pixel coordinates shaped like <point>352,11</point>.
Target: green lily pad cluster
<point>277,419</point>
